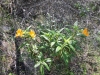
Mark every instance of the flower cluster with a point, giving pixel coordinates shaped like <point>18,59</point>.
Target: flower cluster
<point>21,33</point>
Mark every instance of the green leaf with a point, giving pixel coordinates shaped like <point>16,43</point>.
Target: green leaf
<point>45,64</point>
<point>98,38</point>
<point>65,57</point>
<point>46,38</point>
<point>40,55</point>
<point>52,44</point>
<point>58,49</point>
<point>28,28</point>
<point>76,23</point>
<point>10,74</point>
<point>72,48</point>
<point>61,30</point>
<point>68,31</point>
<point>42,69</point>
<point>48,60</point>
<point>37,64</point>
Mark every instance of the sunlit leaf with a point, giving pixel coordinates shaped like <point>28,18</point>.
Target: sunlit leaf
<point>65,57</point>
<point>48,60</point>
<point>45,64</point>
<point>46,38</point>
<point>76,23</point>
<point>42,69</point>
<point>52,43</point>
<point>28,28</point>
<point>58,49</point>
<point>37,64</point>
<point>72,48</point>
<point>61,30</point>
<point>10,74</point>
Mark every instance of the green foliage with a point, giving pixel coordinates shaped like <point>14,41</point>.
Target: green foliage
<point>57,44</point>
<point>53,44</point>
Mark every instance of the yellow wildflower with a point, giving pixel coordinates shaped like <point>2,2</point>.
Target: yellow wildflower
<point>19,33</point>
<point>32,33</point>
<point>85,32</point>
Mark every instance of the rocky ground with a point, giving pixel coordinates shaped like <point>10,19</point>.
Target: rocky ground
<point>24,14</point>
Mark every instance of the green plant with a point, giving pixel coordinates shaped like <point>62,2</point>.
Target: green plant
<point>56,43</point>
<point>53,46</point>
<point>59,46</point>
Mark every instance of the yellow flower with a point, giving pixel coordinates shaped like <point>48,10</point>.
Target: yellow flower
<point>32,33</point>
<point>85,32</point>
<point>19,33</point>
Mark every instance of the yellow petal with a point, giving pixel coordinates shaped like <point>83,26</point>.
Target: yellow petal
<point>32,33</point>
<point>19,33</point>
<point>85,32</point>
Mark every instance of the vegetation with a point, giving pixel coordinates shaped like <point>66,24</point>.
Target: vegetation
<point>54,46</point>
<point>51,42</point>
